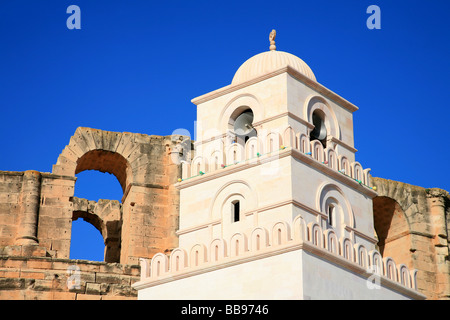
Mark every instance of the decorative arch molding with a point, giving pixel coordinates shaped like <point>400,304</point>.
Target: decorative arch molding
<point>273,141</point>
<point>259,239</point>
<point>217,157</point>
<point>233,188</point>
<point>198,255</point>
<point>327,191</point>
<point>254,243</point>
<point>159,265</point>
<point>300,230</point>
<point>218,250</point>
<point>238,104</point>
<point>314,102</point>
<point>235,153</point>
<point>199,163</point>
<point>289,137</point>
<point>178,259</point>
<point>281,233</point>
<point>252,147</point>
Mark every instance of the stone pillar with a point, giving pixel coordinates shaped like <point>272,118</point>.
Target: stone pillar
<point>436,202</point>
<point>31,189</point>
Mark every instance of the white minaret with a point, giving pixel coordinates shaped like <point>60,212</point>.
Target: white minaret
<point>273,203</point>
<point>270,148</point>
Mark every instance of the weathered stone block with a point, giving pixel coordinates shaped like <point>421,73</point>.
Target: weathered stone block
<point>81,296</point>
<point>32,274</point>
<point>43,285</point>
<point>93,288</point>
<point>11,283</point>
<point>122,290</point>
<point>110,278</point>
<point>111,268</point>
<point>39,264</point>
<point>64,295</point>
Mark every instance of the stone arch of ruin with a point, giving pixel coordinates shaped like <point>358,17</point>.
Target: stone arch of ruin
<point>118,153</point>
<point>106,161</point>
<point>38,208</point>
<point>142,165</point>
<point>142,224</point>
<point>411,223</point>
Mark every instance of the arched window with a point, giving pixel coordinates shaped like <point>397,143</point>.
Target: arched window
<point>236,214</point>
<point>331,200</point>
<point>87,242</point>
<point>331,216</point>
<point>332,210</point>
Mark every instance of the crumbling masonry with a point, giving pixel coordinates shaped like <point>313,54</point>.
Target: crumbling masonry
<point>37,210</point>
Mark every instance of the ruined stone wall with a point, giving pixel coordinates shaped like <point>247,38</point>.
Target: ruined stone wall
<point>37,210</point>
<point>412,226</point>
<point>27,277</point>
<point>144,168</point>
<point>10,191</point>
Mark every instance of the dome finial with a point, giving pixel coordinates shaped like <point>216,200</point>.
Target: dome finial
<point>272,36</point>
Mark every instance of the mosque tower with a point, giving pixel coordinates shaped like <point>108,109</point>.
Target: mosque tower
<point>273,204</point>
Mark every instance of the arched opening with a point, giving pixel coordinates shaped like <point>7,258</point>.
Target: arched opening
<point>95,185</point>
<point>240,124</point>
<point>392,230</point>
<point>236,211</point>
<point>331,222</point>
<point>100,175</point>
<point>333,211</point>
<point>106,161</point>
<point>87,242</point>
<point>320,130</point>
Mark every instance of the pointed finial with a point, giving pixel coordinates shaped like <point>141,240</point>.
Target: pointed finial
<point>272,36</point>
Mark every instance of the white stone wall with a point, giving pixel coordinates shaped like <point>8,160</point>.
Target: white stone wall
<point>257,279</point>
<point>283,246</point>
<point>295,274</point>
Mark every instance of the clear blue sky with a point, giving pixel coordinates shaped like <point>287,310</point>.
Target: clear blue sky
<point>135,65</point>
